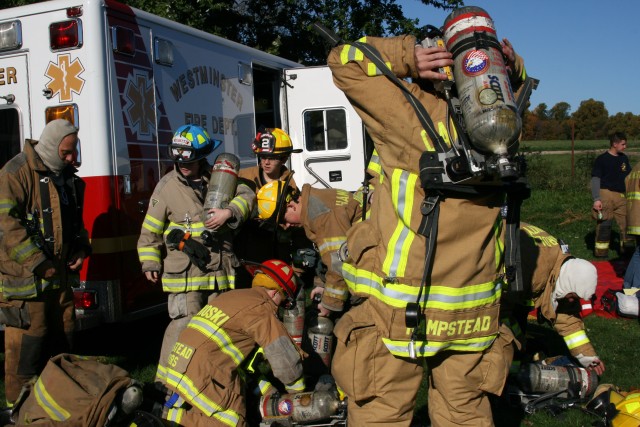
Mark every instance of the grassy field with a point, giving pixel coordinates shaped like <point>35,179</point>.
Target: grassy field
<point>560,203</point>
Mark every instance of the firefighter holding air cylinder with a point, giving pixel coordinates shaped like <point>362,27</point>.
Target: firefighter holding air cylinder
<point>429,261</point>
<point>183,244</point>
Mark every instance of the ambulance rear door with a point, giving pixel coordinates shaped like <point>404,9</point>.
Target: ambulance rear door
<point>328,130</point>
<point>15,122</point>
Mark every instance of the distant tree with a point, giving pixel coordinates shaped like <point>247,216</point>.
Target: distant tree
<point>529,125</point>
<point>541,111</point>
<point>284,27</point>
<point>627,123</point>
<point>591,120</point>
<point>560,111</point>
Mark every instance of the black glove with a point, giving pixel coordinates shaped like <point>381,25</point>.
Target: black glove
<point>196,251</point>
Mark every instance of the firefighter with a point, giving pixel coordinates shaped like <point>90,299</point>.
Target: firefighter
<point>557,282</point>
<point>258,241</point>
<point>44,245</point>
<point>325,215</point>
<point>203,368</point>
<point>608,191</point>
<point>178,245</point>
<point>273,148</point>
<point>378,360</point>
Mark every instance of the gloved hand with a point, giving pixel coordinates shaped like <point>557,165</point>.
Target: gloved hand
<point>591,362</point>
<point>196,251</point>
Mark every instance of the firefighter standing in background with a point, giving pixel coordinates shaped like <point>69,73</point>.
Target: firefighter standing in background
<point>557,281</point>
<point>180,246</point>
<point>256,241</point>
<point>273,148</point>
<point>203,367</point>
<point>43,246</point>
<point>608,192</point>
<point>467,351</point>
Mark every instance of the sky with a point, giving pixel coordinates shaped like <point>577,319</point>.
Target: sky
<point>578,49</point>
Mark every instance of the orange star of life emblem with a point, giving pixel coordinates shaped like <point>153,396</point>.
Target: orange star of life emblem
<point>140,104</point>
<point>65,77</point>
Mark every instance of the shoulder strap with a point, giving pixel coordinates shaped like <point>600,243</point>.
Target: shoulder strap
<point>375,57</point>
<point>47,213</point>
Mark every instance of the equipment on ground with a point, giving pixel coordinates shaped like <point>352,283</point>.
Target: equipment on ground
<point>313,408</point>
<point>320,334</point>
<point>537,386</point>
<point>293,319</point>
<point>222,184</point>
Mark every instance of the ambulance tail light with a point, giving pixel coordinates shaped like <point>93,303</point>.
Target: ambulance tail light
<point>123,40</point>
<point>85,299</point>
<point>10,36</point>
<point>65,35</point>
<point>68,112</point>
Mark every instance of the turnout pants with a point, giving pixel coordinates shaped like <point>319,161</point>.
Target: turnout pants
<point>52,322</point>
<point>614,207</point>
<point>382,388</point>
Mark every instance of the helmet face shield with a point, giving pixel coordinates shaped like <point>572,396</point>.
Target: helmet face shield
<point>181,154</point>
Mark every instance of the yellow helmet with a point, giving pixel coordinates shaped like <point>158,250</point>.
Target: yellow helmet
<point>629,407</point>
<point>273,141</point>
<point>272,197</point>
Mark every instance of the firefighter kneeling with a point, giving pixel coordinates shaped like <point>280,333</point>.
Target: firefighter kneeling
<point>203,369</point>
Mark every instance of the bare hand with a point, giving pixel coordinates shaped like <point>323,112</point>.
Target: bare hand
<point>152,276</point>
<point>217,218</point>
<point>76,260</point>
<point>597,205</point>
<point>45,270</point>
<point>597,366</point>
<point>323,311</point>
<point>318,290</point>
<point>509,54</point>
<point>430,59</point>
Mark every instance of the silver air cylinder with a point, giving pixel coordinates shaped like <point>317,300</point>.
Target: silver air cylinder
<point>223,182</point>
<point>300,407</point>
<point>538,378</point>
<point>320,333</point>
<point>486,98</point>
<point>293,319</point>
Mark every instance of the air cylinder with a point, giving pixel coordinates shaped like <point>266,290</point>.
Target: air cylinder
<point>222,184</point>
<point>484,90</point>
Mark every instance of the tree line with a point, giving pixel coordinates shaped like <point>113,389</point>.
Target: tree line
<point>590,121</point>
<point>286,28</point>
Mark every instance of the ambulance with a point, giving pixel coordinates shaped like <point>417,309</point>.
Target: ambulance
<point>127,79</point>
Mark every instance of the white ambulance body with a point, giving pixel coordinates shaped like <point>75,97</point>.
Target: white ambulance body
<point>128,79</point>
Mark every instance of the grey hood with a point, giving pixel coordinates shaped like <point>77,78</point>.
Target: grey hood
<point>49,142</point>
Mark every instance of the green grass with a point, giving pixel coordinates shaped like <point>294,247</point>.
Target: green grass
<point>560,203</point>
<point>563,145</point>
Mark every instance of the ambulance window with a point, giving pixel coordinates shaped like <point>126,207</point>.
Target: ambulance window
<point>325,129</point>
<point>9,134</point>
